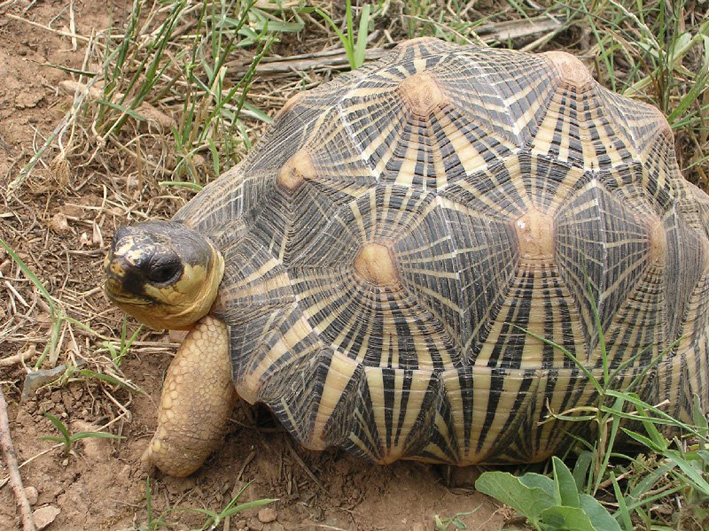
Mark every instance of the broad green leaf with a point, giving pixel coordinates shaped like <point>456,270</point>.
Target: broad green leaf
<point>531,480</point>
<point>567,518</point>
<point>528,501</point>
<point>566,491</point>
<point>599,516</point>
<point>583,464</point>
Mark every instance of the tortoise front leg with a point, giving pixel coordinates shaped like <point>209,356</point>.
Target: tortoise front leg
<point>197,399</point>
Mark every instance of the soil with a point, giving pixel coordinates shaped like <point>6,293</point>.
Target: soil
<point>59,222</point>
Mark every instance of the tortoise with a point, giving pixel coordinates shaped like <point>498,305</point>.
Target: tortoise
<point>388,268</point>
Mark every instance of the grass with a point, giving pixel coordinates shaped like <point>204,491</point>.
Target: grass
<point>68,439</point>
<point>214,519</point>
<point>176,92</point>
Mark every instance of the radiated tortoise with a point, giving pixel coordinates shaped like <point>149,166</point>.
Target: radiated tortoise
<point>380,270</point>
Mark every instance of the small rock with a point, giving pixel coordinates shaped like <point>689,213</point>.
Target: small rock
<point>28,99</point>
<point>45,515</point>
<point>32,495</point>
<point>94,448</point>
<point>267,515</point>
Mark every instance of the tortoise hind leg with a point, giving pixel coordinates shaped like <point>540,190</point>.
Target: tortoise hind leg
<point>197,399</point>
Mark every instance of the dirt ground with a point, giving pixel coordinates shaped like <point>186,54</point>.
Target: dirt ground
<point>59,222</point>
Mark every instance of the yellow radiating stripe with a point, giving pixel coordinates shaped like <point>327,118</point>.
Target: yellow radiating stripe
<point>369,149</point>
<point>259,288</point>
<point>544,139</point>
<point>481,386</point>
<point>439,167</point>
<point>389,347</point>
<point>366,336</point>
<point>285,346</point>
<point>470,157</point>
<point>434,449</point>
<point>506,405</point>
<point>532,351</point>
<point>341,371</point>
<point>432,244</point>
<point>494,336</point>
<point>564,147</point>
<point>374,211</point>
<point>416,396</point>
<point>407,171</point>
<point>357,213</point>
<point>566,385</point>
<point>451,384</point>
<point>527,117</point>
<point>435,294</point>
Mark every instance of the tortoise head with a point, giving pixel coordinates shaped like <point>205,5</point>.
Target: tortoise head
<point>163,273</point>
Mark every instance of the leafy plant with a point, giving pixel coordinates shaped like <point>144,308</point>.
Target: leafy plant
<point>68,439</point>
<point>548,503</point>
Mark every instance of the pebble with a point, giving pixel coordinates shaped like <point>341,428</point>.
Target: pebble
<point>45,515</point>
<point>267,515</point>
<point>32,495</point>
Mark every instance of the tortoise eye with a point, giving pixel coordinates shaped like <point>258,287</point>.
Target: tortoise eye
<point>162,271</point>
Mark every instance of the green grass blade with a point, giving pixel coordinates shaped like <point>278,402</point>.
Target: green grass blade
<point>362,33</point>
<point>51,302</point>
<point>95,435</point>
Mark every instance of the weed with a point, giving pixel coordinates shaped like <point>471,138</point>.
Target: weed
<point>68,439</point>
<point>152,522</point>
<point>548,503</point>
<point>444,524</point>
<point>215,519</point>
<point>118,351</point>
<point>355,49</point>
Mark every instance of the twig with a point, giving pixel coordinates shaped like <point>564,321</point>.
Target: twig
<point>325,60</point>
<point>72,27</point>
<point>305,468</point>
<point>8,452</point>
<point>14,359</point>
<point>47,28</point>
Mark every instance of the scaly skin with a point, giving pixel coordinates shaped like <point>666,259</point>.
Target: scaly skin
<point>197,399</point>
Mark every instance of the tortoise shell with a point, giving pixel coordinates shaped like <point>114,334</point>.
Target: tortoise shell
<point>402,239</point>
